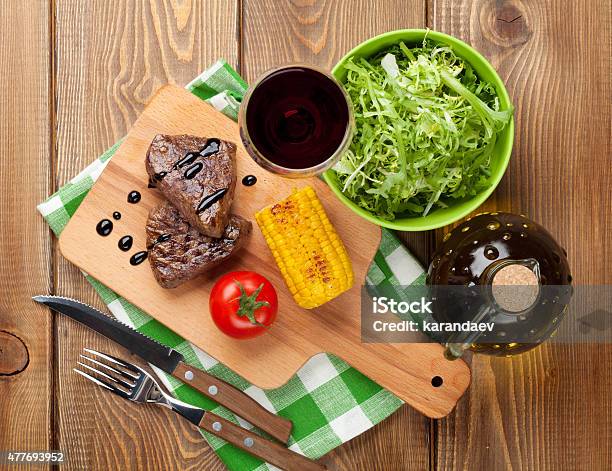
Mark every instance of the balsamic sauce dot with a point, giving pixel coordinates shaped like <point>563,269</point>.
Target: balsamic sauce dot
<point>104,227</point>
<point>159,176</point>
<point>163,238</point>
<point>116,215</point>
<point>249,180</point>
<point>138,258</point>
<point>133,197</point>
<point>125,243</point>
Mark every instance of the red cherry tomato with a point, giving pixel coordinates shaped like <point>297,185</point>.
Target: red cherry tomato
<point>243,304</point>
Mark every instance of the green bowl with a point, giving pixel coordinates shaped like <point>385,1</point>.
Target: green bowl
<point>501,154</point>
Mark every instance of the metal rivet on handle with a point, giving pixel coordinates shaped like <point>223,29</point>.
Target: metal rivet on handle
<point>248,442</point>
<point>212,390</point>
<point>217,426</point>
<point>188,375</point>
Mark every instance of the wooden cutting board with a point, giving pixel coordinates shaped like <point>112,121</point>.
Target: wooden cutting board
<point>270,360</point>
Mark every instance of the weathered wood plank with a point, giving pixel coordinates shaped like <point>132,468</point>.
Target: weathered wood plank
<point>112,56</point>
<point>26,378</point>
<point>549,408</point>
<point>320,32</point>
<point>317,32</point>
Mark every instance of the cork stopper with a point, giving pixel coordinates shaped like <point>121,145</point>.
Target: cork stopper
<point>515,287</point>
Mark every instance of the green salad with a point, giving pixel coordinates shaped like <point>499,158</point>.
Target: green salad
<point>426,127</point>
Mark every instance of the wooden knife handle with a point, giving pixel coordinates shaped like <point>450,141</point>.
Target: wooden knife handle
<point>235,400</point>
<point>248,441</point>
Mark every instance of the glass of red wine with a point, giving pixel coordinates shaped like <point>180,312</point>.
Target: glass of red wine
<point>296,121</point>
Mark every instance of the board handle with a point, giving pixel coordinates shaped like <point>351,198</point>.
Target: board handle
<point>418,373</point>
<point>248,441</point>
<point>235,400</point>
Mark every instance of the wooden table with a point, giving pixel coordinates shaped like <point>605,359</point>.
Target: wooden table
<point>76,74</point>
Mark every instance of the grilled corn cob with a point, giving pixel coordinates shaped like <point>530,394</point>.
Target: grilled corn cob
<point>307,249</point>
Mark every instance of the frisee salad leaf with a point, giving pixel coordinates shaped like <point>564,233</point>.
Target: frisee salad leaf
<point>426,127</point>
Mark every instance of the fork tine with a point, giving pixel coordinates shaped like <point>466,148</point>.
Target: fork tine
<point>123,374</point>
<point>110,387</point>
<point>114,360</point>
<point>119,381</point>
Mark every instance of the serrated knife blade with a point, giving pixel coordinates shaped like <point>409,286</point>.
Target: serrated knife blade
<point>148,349</point>
<point>172,362</point>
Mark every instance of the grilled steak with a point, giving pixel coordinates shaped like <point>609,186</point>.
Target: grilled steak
<point>198,176</point>
<point>179,252</point>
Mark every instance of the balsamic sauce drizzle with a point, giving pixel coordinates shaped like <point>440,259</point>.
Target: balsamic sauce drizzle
<point>138,257</point>
<point>211,199</point>
<point>193,170</point>
<point>133,197</point>
<point>212,147</point>
<point>125,243</point>
<point>159,240</point>
<point>104,227</point>
<point>249,180</point>
<point>188,159</point>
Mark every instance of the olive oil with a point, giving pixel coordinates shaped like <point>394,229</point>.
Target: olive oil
<point>522,273</point>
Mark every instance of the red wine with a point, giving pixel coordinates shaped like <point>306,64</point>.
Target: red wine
<point>297,117</point>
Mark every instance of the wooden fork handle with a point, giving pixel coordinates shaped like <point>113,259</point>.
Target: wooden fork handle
<point>267,450</point>
<point>235,400</point>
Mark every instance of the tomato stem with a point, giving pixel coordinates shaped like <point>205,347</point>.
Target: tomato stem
<point>247,305</point>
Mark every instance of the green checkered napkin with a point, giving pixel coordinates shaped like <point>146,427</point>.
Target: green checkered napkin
<point>328,401</point>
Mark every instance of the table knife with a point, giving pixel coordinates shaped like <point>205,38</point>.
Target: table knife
<point>172,362</point>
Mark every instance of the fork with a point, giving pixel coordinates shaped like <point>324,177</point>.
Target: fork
<point>135,384</point>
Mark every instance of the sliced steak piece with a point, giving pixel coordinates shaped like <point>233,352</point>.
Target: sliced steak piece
<point>178,252</point>
<point>197,175</point>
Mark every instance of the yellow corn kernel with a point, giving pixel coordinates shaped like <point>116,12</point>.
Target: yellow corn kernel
<point>307,249</point>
